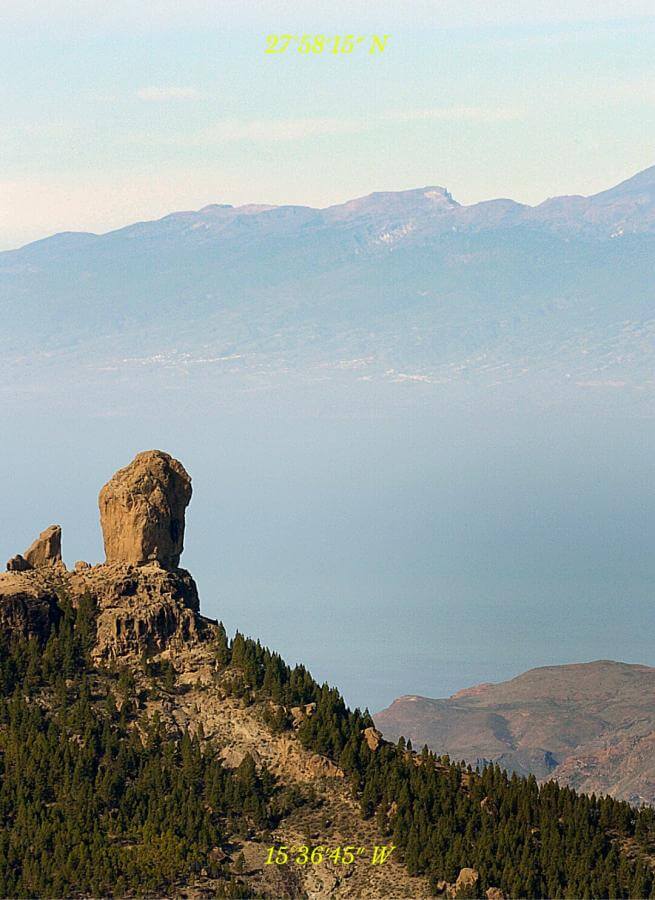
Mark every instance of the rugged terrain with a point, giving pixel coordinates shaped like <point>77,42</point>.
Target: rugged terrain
<point>148,609</point>
<point>143,753</point>
<point>589,725</point>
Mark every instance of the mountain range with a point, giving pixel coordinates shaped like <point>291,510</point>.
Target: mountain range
<point>405,286</point>
<point>588,725</point>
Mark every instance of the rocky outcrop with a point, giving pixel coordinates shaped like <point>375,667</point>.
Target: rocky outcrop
<point>28,606</point>
<point>466,880</point>
<point>18,563</point>
<point>373,738</point>
<point>142,511</point>
<point>46,549</point>
<point>141,609</point>
<point>144,602</point>
<point>465,886</point>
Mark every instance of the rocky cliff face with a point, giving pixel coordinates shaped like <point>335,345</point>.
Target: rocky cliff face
<point>141,610</point>
<point>28,605</point>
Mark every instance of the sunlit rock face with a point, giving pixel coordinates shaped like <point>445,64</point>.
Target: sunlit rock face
<point>142,511</point>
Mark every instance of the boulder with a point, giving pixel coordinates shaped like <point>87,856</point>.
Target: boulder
<point>373,738</point>
<point>142,511</point>
<point>46,549</point>
<point>466,883</point>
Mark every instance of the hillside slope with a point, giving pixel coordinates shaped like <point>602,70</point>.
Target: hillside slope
<point>590,726</point>
<point>142,752</point>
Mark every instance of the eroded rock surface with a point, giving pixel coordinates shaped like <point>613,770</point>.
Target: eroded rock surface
<point>142,511</point>
<point>46,549</point>
<point>18,563</point>
<point>141,609</point>
<point>28,605</point>
<point>144,602</point>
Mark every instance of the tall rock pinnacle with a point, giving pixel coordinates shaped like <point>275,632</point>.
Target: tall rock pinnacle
<point>142,511</point>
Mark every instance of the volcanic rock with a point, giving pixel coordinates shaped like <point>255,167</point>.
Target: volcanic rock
<point>373,738</point>
<point>465,885</point>
<point>46,549</point>
<point>142,511</point>
<point>141,610</point>
<point>28,607</point>
<point>18,563</point>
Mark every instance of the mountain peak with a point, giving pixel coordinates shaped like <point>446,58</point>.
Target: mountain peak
<point>415,201</point>
<point>642,181</point>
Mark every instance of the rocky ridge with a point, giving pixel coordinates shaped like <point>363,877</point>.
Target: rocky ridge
<point>148,616</point>
<point>588,725</point>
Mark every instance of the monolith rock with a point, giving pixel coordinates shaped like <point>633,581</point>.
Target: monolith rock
<point>142,511</point>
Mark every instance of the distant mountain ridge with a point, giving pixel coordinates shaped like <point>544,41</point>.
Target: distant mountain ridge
<point>406,286</point>
<point>589,725</point>
<point>629,205</point>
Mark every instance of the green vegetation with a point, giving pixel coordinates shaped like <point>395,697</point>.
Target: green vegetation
<point>529,840</point>
<point>91,806</point>
<point>95,799</point>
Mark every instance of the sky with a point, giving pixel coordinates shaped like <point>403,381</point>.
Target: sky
<point>112,113</point>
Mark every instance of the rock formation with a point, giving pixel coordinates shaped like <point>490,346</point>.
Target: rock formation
<point>28,607</point>
<point>144,602</point>
<point>18,563</point>
<point>46,549</point>
<point>142,511</point>
<point>373,738</point>
<point>141,610</point>
<point>465,886</point>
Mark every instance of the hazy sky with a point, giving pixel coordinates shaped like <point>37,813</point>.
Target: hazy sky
<point>112,112</point>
